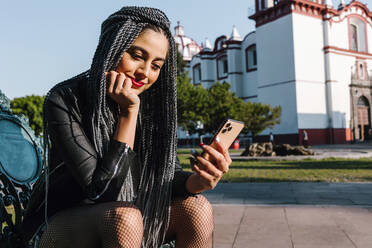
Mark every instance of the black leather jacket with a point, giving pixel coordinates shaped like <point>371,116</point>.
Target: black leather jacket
<point>76,175</point>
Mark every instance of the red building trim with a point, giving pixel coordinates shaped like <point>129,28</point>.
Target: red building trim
<point>349,15</point>
<point>285,7</point>
<point>355,4</point>
<point>279,138</point>
<point>365,73</point>
<point>355,54</point>
<point>326,136</point>
<point>315,137</point>
<point>365,29</point>
<point>303,7</point>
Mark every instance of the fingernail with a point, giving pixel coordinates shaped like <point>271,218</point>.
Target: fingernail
<point>218,139</point>
<point>202,144</point>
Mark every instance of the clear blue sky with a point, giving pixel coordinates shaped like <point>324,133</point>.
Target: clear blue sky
<point>43,42</point>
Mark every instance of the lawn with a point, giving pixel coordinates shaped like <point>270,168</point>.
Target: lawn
<point>308,170</point>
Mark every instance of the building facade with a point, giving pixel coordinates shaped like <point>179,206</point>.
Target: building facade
<point>307,56</point>
<point>185,45</point>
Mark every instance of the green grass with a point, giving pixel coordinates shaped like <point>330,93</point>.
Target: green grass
<point>308,170</point>
<point>187,151</point>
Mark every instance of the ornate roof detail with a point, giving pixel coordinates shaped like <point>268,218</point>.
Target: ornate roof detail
<point>207,46</point>
<point>186,46</point>
<point>235,34</point>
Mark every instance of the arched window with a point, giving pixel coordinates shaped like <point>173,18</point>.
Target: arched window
<point>251,58</point>
<point>222,67</point>
<point>363,102</point>
<point>354,37</point>
<point>196,73</point>
<point>357,35</point>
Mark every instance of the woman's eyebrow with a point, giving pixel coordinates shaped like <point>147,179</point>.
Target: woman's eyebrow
<point>145,53</point>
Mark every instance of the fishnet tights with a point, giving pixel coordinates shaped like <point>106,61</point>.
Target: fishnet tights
<point>191,222</point>
<point>119,224</point>
<point>106,225</point>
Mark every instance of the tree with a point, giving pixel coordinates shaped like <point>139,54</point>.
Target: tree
<point>32,108</point>
<point>222,105</point>
<point>181,64</point>
<point>214,105</point>
<point>257,117</point>
<point>192,102</point>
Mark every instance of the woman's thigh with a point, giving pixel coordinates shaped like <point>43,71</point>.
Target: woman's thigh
<point>92,226</point>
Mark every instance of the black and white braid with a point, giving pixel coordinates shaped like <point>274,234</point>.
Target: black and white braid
<point>156,139</point>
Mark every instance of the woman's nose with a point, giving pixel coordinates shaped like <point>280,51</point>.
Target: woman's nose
<point>144,70</point>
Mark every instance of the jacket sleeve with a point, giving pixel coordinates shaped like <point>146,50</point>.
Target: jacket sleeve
<point>179,181</point>
<point>68,138</point>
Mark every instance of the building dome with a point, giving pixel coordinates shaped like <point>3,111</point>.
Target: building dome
<point>185,45</point>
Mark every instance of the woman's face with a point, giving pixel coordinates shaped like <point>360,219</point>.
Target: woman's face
<point>143,60</point>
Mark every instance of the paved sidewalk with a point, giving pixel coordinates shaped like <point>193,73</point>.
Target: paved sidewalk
<point>300,215</point>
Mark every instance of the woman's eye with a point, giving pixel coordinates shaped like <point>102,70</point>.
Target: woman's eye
<point>137,56</point>
<point>156,66</point>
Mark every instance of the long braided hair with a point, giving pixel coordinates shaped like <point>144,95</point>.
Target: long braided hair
<point>156,141</point>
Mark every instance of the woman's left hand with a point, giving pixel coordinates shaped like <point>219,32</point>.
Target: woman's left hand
<point>208,172</point>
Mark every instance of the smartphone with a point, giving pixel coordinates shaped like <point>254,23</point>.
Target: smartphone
<point>227,133</point>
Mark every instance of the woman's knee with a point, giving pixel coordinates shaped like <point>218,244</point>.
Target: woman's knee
<point>198,212</point>
<point>127,217</point>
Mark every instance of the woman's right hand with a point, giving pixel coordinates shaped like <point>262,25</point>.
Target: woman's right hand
<point>119,88</point>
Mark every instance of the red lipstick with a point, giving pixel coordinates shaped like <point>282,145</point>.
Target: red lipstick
<point>137,84</point>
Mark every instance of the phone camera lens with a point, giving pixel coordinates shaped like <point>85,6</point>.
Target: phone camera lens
<point>224,130</point>
<point>228,124</point>
<point>229,129</point>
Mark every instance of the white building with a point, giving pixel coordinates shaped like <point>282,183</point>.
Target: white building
<point>185,45</point>
<point>307,56</point>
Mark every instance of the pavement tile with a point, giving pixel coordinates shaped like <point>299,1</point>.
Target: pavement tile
<point>228,214</point>
<point>315,226</point>
<point>263,241</point>
<point>319,246</point>
<point>318,236</point>
<point>258,224</point>
<point>356,223</point>
<point>224,234</point>
<point>222,246</point>
<point>300,215</point>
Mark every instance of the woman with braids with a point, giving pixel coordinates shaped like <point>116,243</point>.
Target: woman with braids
<point>113,179</point>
